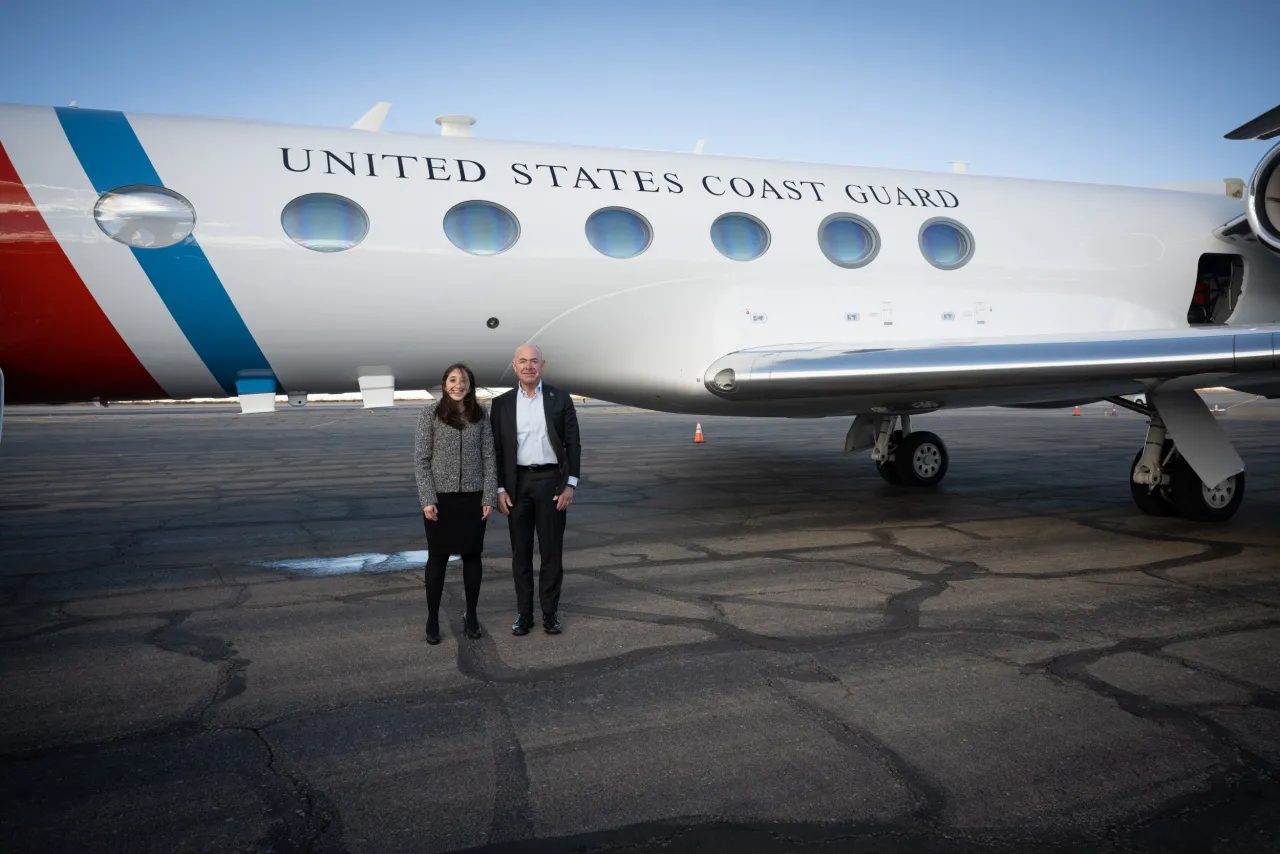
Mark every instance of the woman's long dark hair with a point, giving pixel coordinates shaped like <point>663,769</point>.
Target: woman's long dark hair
<point>457,413</point>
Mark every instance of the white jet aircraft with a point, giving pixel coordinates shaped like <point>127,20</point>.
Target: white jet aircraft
<point>145,256</point>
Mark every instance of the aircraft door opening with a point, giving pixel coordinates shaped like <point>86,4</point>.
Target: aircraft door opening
<point>1217,289</point>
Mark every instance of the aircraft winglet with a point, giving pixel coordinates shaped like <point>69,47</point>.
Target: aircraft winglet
<point>372,120</point>
<point>1264,126</point>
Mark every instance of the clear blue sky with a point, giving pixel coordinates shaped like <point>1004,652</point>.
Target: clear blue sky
<point>1129,91</point>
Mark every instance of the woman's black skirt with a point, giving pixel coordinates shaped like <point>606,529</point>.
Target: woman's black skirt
<point>459,530</point>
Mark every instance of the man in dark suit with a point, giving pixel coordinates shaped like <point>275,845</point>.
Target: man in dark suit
<point>535,429</point>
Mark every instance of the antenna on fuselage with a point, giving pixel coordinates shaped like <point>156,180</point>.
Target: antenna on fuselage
<point>960,167</point>
<point>455,124</point>
<point>372,120</point>
<point>697,149</point>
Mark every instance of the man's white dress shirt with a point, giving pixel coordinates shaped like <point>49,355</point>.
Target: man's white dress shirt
<point>533,446</point>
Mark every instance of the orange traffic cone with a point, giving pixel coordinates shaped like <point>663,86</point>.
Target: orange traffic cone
<point>1077,412</point>
<point>697,435</point>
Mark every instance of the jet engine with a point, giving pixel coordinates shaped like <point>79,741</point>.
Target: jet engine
<point>1262,202</point>
<point>1262,199</point>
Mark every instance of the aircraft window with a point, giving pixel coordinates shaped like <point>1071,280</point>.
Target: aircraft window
<point>946,244</point>
<point>324,222</point>
<point>481,228</point>
<point>618,232</point>
<point>740,237</point>
<point>848,240</point>
<point>144,217</point>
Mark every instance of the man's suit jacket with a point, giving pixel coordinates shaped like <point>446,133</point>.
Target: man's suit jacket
<point>562,431</point>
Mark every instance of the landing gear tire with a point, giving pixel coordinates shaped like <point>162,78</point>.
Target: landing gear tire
<point>1157,501</point>
<point>1178,489</point>
<point>889,470</point>
<point>921,459</point>
<point>1201,503</point>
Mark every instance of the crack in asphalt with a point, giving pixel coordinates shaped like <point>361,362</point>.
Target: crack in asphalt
<point>1214,550</point>
<point>928,798</point>
<point>512,806</point>
<point>233,680</point>
<point>1073,668</point>
<point>316,826</point>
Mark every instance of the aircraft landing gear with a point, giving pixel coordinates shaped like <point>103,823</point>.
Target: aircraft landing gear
<point>1201,503</point>
<point>1152,500</point>
<point>1163,483</point>
<point>911,459</point>
<point>888,469</point>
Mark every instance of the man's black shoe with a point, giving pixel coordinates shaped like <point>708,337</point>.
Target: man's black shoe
<point>522,625</point>
<point>551,624</point>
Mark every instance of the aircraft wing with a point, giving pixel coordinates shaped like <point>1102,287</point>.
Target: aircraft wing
<point>797,371</point>
<point>1235,229</point>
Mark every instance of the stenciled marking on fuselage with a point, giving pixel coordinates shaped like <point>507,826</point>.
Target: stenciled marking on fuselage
<point>112,157</point>
<point>579,177</point>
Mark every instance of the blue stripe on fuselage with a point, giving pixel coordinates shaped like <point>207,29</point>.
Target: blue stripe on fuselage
<point>112,157</point>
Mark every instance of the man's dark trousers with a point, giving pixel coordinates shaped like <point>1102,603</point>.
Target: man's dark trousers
<point>534,510</point>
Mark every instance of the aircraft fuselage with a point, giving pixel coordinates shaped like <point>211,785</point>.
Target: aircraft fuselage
<point>1047,259</point>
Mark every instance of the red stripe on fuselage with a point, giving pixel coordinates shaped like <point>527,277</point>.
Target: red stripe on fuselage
<point>56,344</point>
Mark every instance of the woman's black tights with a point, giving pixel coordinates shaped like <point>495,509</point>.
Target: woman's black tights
<point>433,577</point>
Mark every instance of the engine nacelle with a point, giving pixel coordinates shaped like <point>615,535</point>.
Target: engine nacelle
<point>1262,203</point>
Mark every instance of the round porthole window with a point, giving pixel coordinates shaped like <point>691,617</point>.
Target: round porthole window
<point>946,244</point>
<point>618,232</point>
<point>324,222</point>
<point>144,217</point>
<point>848,241</point>
<point>740,237</point>
<point>481,228</point>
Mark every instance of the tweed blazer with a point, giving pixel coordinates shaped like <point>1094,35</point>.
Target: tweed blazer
<point>447,459</point>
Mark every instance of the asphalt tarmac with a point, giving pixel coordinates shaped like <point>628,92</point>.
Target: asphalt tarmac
<point>766,648</point>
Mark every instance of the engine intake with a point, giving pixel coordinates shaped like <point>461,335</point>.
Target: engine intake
<point>1262,204</point>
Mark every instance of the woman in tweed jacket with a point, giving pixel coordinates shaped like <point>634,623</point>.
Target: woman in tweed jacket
<point>457,487</point>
